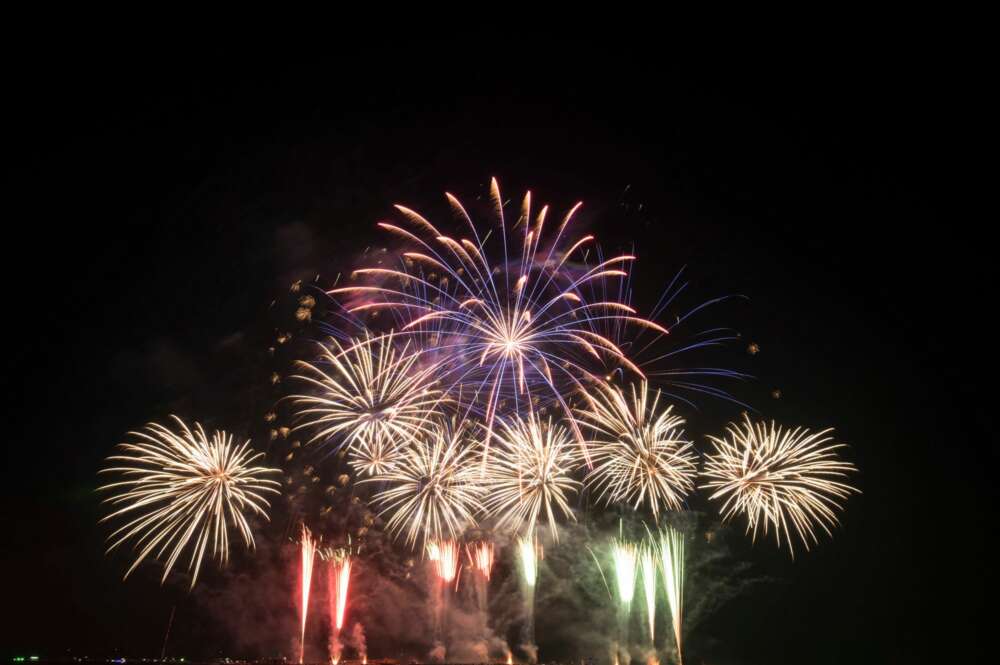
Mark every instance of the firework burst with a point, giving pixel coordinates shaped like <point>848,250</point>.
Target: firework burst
<point>434,488</point>
<point>638,449</point>
<point>512,325</point>
<point>181,488</point>
<point>778,478</point>
<point>528,476</point>
<point>369,395</point>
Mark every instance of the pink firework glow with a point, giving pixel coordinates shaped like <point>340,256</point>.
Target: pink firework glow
<point>308,554</point>
<point>338,579</point>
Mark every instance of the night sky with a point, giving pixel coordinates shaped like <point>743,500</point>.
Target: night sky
<point>160,208</point>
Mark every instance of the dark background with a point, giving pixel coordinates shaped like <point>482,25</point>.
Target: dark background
<point>159,208</point>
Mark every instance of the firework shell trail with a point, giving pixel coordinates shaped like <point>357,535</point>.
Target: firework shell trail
<point>179,488</point>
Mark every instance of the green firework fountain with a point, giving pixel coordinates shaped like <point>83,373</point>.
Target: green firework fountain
<point>672,563</point>
<point>624,555</point>
<point>527,555</point>
<point>647,570</point>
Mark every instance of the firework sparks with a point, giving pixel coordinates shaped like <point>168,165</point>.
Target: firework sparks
<point>776,476</point>
<point>369,396</point>
<point>180,488</point>
<point>639,453</point>
<point>444,555</point>
<point>518,328</point>
<point>647,570</point>
<point>672,564</point>
<point>624,555</point>
<point>433,489</point>
<point>308,546</point>
<point>527,554</point>
<point>529,475</point>
<point>481,558</point>
<point>338,581</point>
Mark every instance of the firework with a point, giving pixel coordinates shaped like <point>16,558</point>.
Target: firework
<point>647,574</point>
<point>672,564</point>
<point>529,552</point>
<point>338,580</point>
<point>638,450</point>
<point>444,555</point>
<point>308,548</point>
<point>513,328</point>
<point>434,487</point>
<point>179,488</point>
<point>527,555</point>
<point>776,476</point>
<point>369,396</point>
<point>624,555</point>
<point>529,475</point>
<point>481,558</point>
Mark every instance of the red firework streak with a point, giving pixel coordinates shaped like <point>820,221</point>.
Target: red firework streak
<point>308,554</point>
<point>338,576</point>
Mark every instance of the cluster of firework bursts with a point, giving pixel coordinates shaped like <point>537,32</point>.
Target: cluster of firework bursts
<point>486,382</point>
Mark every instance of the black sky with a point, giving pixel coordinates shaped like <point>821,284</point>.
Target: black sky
<point>160,207</point>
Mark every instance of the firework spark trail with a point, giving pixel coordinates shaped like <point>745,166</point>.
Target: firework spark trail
<point>624,557</point>
<point>774,476</point>
<point>433,490</point>
<point>447,561</point>
<point>671,548</point>
<point>338,582</point>
<point>647,570</point>
<point>517,328</point>
<point>444,557</point>
<point>528,554</point>
<point>647,349</point>
<point>179,488</point>
<point>308,548</point>
<point>370,396</point>
<point>639,453</point>
<point>529,474</point>
<point>481,558</point>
